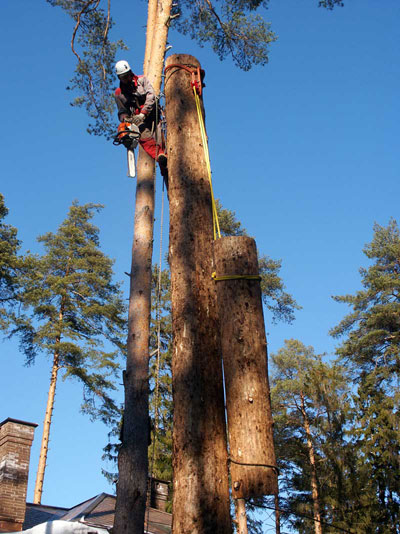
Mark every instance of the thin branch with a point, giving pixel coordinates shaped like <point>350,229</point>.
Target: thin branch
<point>105,36</point>
<point>78,23</point>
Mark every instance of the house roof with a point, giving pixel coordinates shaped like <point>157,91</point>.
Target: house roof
<point>97,511</point>
<point>37,513</point>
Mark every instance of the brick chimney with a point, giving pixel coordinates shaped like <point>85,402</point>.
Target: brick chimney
<point>15,448</point>
<point>159,490</point>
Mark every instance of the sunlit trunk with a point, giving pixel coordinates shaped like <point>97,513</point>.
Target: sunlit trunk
<point>311,456</point>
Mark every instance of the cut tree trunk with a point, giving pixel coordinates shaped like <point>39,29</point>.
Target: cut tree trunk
<point>44,448</point>
<point>133,455</point>
<point>244,352</point>
<point>200,486</point>
<point>314,482</point>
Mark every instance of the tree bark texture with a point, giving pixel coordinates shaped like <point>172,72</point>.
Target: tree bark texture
<point>314,482</point>
<point>158,44</point>
<point>151,21</point>
<point>200,488</point>
<point>44,448</point>
<point>132,458</point>
<point>244,352</point>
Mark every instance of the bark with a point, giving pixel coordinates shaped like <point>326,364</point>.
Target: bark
<point>151,21</point>
<point>241,516</point>
<point>44,448</point>
<point>159,42</point>
<point>311,456</point>
<point>200,486</point>
<point>132,457</point>
<point>244,352</point>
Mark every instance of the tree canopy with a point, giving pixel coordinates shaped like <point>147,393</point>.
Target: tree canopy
<point>73,307</point>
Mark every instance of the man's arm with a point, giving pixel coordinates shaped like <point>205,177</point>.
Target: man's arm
<point>120,100</point>
<point>147,89</point>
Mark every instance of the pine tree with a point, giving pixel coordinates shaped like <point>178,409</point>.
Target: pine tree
<point>293,402</point>
<point>371,351</point>
<point>76,317</point>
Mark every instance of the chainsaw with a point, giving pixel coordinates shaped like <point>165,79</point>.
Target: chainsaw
<point>128,135</point>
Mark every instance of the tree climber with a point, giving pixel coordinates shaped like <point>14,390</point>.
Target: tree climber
<point>137,103</point>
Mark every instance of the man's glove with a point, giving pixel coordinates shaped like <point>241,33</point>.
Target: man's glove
<point>137,119</point>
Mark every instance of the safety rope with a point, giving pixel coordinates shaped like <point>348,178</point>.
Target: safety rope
<point>196,83</point>
<point>216,229</point>
<point>268,466</point>
<point>235,277</point>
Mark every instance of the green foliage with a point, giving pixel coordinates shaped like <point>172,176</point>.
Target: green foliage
<point>10,265</point>
<point>305,389</point>
<point>330,4</point>
<point>373,326</point>
<point>231,27</point>
<point>75,310</point>
<point>278,302</point>
<point>371,352</point>
<point>228,223</point>
<point>94,74</point>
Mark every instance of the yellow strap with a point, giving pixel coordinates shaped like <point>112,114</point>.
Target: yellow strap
<point>235,277</point>
<point>216,228</point>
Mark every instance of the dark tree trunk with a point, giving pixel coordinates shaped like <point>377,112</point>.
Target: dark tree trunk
<point>132,457</point>
<point>244,351</point>
<point>200,495</point>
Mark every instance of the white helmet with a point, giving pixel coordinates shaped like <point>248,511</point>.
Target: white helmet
<point>122,67</point>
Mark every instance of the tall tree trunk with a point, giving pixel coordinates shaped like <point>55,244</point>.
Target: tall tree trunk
<point>311,456</point>
<point>159,42</point>
<point>151,22</point>
<point>200,494</point>
<point>37,496</point>
<point>44,447</point>
<point>132,457</point>
<point>277,514</point>
<point>241,516</point>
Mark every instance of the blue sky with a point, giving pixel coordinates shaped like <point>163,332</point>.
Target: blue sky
<point>304,150</point>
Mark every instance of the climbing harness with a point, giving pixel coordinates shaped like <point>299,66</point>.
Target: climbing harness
<point>197,75</point>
